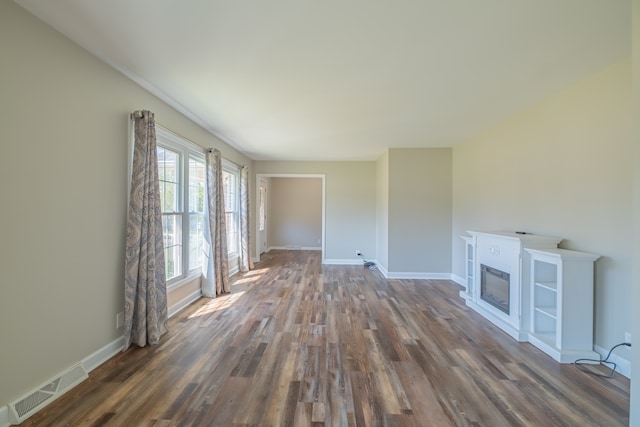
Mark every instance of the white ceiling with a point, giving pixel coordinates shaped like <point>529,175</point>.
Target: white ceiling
<point>343,80</point>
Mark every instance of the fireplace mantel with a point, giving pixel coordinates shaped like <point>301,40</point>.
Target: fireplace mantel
<point>504,251</point>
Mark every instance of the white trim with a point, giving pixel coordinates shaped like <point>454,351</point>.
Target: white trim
<point>520,336</point>
<point>295,248</point>
<point>103,354</point>
<point>234,169</point>
<point>185,302</point>
<point>382,270</point>
<point>186,150</point>
<point>412,275</point>
<point>179,140</point>
<point>416,275</point>
<point>140,81</point>
<point>624,365</point>
<point>342,262</point>
<point>184,281</point>
<point>459,280</point>
<point>4,416</point>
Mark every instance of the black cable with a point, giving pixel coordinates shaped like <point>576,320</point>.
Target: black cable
<point>612,365</point>
<point>369,264</point>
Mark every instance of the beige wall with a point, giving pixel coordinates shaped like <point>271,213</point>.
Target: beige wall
<point>63,181</point>
<point>419,210</point>
<point>635,283</point>
<point>295,212</point>
<point>350,203</point>
<point>382,211</point>
<point>562,168</point>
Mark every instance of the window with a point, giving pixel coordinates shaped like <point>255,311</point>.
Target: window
<point>197,174</point>
<point>181,174</point>
<point>231,182</point>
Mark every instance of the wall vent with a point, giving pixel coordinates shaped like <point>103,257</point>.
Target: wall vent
<point>32,402</point>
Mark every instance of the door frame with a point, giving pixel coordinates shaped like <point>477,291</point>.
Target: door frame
<point>261,176</point>
<point>261,236</point>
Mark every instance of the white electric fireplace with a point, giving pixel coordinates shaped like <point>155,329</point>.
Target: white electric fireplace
<point>498,277</point>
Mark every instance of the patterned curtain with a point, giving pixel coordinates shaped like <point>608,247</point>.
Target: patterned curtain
<point>246,263</point>
<point>215,279</point>
<point>145,306</point>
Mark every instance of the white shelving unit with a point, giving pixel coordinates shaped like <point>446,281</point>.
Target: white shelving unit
<point>562,303</point>
<point>470,249</point>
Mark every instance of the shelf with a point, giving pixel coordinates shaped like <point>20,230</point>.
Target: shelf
<point>550,311</point>
<point>552,286</point>
<point>562,302</point>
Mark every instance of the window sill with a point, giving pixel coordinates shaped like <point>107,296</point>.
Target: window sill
<point>182,282</point>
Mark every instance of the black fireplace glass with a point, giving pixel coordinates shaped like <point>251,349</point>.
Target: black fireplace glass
<point>494,287</point>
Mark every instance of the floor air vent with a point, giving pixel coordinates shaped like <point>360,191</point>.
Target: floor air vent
<point>26,406</point>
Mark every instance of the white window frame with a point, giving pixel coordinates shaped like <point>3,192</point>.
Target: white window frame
<point>234,256</point>
<point>187,150</point>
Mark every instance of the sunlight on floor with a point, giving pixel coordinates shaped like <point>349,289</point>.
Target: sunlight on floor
<point>251,276</point>
<point>219,303</point>
<point>227,300</point>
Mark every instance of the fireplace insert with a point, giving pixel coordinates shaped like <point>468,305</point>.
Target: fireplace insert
<point>494,287</point>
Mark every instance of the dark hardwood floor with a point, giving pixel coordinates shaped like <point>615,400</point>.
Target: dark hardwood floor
<point>301,344</point>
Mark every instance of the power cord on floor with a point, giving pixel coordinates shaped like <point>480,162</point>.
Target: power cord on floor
<point>606,362</point>
<point>369,264</point>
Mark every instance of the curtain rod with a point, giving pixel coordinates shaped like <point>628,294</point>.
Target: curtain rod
<point>210,150</point>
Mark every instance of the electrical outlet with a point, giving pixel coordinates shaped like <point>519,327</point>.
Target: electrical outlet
<point>119,320</point>
<point>358,253</point>
<point>627,337</point>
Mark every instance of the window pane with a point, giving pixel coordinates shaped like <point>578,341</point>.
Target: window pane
<point>170,199</point>
<point>196,185</point>
<point>229,191</point>
<point>196,212</point>
<point>196,227</point>
<point>232,232</point>
<point>168,164</point>
<point>172,236</point>
<point>171,164</point>
<point>230,183</point>
<point>161,160</point>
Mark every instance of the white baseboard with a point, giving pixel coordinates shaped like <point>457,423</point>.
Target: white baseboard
<point>234,270</point>
<point>383,270</point>
<point>342,262</point>
<point>184,302</point>
<point>105,353</point>
<point>295,248</point>
<point>415,275</point>
<point>459,280</point>
<point>100,356</point>
<point>4,416</point>
<point>623,365</point>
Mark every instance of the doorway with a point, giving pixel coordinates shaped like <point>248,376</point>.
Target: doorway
<point>265,239</point>
<point>261,227</point>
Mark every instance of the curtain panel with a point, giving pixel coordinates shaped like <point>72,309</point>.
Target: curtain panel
<point>145,308</point>
<point>215,279</point>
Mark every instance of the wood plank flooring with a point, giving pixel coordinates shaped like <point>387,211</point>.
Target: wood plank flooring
<point>301,344</point>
